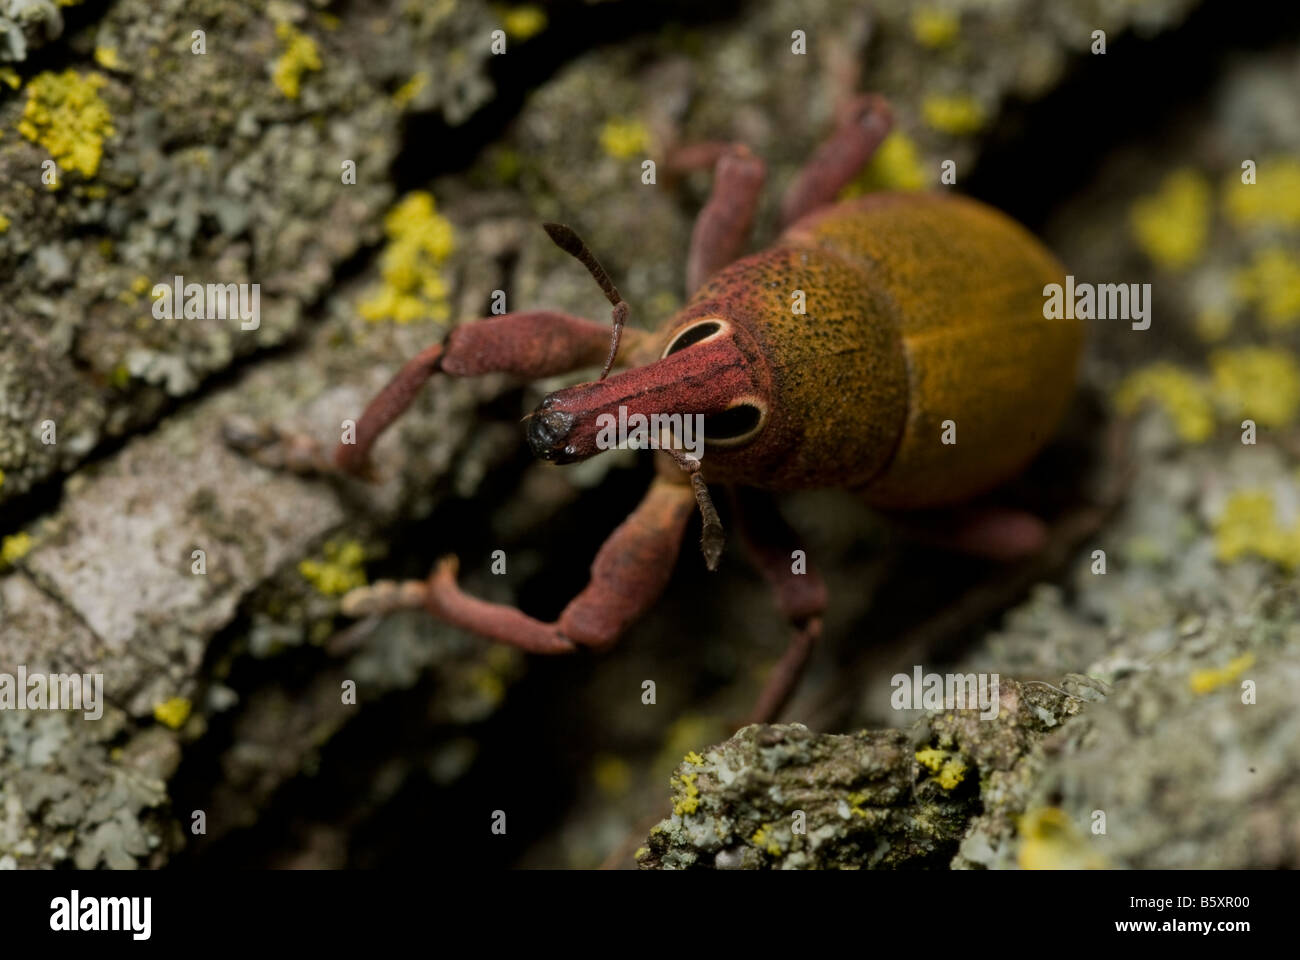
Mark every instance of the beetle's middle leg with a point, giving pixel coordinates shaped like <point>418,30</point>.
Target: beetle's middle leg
<point>800,596</point>
<point>629,573</point>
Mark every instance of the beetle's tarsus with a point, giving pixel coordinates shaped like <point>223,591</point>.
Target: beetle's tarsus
<point>276,448</point>
<point>384,596</point>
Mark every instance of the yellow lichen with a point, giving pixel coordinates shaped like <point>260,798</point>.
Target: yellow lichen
<point>419,240</point>
<point>486,683</point>
<point>523,22</point>
<point>935,28</point>
<point>1248,526</point>
<point>1183,397</point>
<point>612,775</point>
<point>1049,840</point>
<point>14,548</point>
<point>1205,681</point>
<point>686,796</point>
<point>1213,324</point>
<point>624,138</point>
<point>341,569</point>
<point>694,758</point>
<point>896,165</point>
<point>9,77</point>
<point>957,115</point>
<point>949,769</point>
<point>300,55</point>
<point>1272,283</point>
<point>65,115</point>
<point>1274,198</point>
<point>855,801</point>
<point>1171,225</point>
<point>107,58</point>
<point>173,712</point>
<point>410,90</point>
<point>4,223</point>
<point>761,840</point>
<point>1259,383</point>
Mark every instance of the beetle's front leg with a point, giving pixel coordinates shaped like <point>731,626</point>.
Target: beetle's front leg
<point>529,344</point>
<point>629,573</point>
<point>801,597</point>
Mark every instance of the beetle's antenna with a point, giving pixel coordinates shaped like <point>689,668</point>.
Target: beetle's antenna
<point>567,240</point>
<point>712,539</point>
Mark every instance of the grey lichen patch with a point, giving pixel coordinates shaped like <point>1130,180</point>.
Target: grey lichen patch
<point>782,796</point>
<point>68,797</point>
<point>212,172</point>
<point>26,26</point>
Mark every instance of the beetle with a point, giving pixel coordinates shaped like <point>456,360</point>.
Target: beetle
<point>923,325</point>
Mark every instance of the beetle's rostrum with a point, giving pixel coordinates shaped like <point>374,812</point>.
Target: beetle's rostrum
<point>709,377</point>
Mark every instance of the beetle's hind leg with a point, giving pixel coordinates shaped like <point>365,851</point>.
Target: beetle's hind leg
<point>629,573</point>
<point>529,344</point>
<point>864,122</point>
<point>800,595</point>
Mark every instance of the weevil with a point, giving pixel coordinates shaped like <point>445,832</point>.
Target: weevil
<point>920,374</point>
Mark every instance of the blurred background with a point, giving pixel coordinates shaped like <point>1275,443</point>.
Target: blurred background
<point>379,171</point>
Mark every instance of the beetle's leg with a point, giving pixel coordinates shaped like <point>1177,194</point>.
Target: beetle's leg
<point>801,597</point>
<point>864,124</point>
<point>629,573</point>
<point>722,227</point>
<point>529,344</point>
<point>980,529</point>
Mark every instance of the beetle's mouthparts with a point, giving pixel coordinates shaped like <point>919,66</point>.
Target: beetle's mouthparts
<point>548,433</point>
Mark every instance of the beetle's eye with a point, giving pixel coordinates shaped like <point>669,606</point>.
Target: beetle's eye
<point>732,426</point>
<point>693,335</point>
